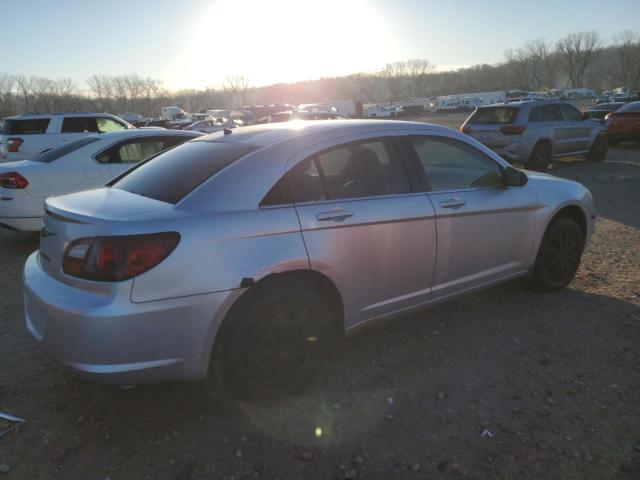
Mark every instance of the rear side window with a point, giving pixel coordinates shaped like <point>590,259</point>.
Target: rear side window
<point>137,149</point>
<point>499,115</point>
<point>551,113</point>
<point>80,125</point>
<point>59,152</point>
<point>26,127</point>
<point>170,176</point>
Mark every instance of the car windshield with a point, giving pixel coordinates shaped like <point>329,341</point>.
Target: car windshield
<point>59,152</point>
<point>170,176</point>
<point>489,115</point>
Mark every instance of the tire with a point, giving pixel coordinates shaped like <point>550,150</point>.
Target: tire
<point>614,143</point>
<point>540,157</point>
<point>598,150</point>
<point>275,342</point>
<point>559,255</point>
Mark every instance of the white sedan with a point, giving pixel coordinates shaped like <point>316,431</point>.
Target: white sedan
<point>85,163</point>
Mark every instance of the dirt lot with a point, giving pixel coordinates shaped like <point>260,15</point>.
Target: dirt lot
<point>504,384</point>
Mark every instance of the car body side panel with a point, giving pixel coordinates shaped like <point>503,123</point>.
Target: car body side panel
<point>217,251</point>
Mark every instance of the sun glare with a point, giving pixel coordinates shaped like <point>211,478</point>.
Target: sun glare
<point>283,41</point>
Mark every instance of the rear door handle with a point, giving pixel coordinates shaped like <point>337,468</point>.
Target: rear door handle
<point>336,214</point>
<point>453,203</point>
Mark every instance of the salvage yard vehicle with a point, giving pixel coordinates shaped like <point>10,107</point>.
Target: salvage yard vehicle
<point>85,163</point>
<point>243,255</point>
<point>24,136</point>
<point>536,132</point>
<point>623,124</point>
<point>599,111</point>
<point>301,115</point>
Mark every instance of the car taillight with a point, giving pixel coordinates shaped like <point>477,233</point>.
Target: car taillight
<point>465,129</point>
<point>112,259</point>
<point>512,129</point>
<point>13,180</point>
<point>13,144</point>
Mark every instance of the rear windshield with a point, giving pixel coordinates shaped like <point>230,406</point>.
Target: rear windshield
<point>26,127</point>
<point>56,153</point>
<point>606,106</point>
<point>170,176</point>
<point>500,115</point>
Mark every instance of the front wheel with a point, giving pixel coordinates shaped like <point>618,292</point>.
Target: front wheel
<point>275,342</point>
<point>559,255</point>
<point>598,150</point>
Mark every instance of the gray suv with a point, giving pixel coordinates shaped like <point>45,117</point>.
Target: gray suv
<point>535,132</point>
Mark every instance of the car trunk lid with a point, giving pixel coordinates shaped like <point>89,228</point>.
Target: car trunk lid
<point>84,215</point>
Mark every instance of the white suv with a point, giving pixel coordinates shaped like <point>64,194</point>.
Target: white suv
<point>28,135</point>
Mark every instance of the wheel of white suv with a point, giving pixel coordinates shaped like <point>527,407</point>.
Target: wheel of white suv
<point>559,255</point>
<point>275,342</point>
<point>540,157</point>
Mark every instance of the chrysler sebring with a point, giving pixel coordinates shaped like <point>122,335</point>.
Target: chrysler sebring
<point>243,255</point>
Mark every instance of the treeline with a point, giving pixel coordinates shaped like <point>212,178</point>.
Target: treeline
<point>577,60</point>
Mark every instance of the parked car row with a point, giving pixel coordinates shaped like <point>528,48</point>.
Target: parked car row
<point>282,236</point>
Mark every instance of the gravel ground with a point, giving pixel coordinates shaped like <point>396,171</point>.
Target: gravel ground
<point>504,384</point>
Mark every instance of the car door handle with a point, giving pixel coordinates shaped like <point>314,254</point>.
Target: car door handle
<point>453,203</point>
<point>336,214</point>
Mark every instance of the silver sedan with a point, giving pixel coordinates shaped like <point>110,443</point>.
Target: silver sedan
<point>245,254</point>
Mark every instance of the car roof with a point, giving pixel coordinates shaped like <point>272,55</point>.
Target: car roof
<point>144,132</point>
<point>29,115</point>
<point>270,133</point>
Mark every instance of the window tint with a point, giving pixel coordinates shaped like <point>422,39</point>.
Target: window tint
<point>363,169</point>
<point>501,115</point>
<point>453,165</point>
<point>536,115</point>
<point>25,127</point>
<point>109,125</point>
<point>65,149</point>
<point>551,113</point>
<point>79,125</point>
<point>173,174</point>
<point>570,113</point>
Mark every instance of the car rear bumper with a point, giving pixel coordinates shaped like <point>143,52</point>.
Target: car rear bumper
<point>110,339</point>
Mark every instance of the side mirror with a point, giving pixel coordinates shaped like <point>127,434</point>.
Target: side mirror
<point>512,177</point>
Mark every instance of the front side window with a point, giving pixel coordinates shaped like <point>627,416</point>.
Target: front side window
<point>453,165</point>
<point>80,125</point>
<point>109,125</point>
<point>570,113</point>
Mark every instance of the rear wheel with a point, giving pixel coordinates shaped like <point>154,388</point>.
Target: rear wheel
<point>598,150</point>
<point>559,255</point>
<point>540,157</point>
<point>275,342</point>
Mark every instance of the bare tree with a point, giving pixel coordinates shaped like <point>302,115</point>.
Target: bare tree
<point>395,76</point>
<point>7,94</point>
<point>576,52</point>
<point>25,88</point>
<point>626,48</point>
<point>517,66</point>
<point>418,71</point>
<point>237,86</point>
<point>538,62</point>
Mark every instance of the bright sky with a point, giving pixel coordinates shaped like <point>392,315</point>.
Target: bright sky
<point>197,43</point>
